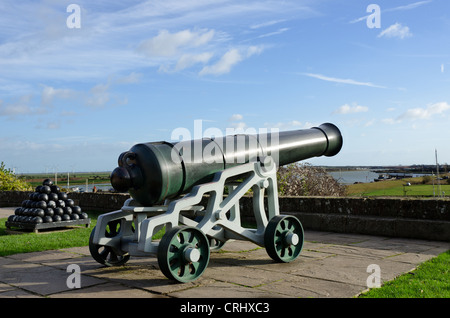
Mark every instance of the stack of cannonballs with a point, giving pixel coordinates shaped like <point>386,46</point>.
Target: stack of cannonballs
<point>46,205</point>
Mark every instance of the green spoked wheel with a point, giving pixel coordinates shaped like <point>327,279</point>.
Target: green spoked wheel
<point>283,238</point>
<point>183,254</point>
<point>106,255</point>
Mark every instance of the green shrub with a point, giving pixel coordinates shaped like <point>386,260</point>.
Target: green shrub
<point>10,182</point>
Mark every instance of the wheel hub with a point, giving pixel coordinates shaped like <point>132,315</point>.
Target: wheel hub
<point>191,254</point>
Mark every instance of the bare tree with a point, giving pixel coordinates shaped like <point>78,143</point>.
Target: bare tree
<point>303,179</point>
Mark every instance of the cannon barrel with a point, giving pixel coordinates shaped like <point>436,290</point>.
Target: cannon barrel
<point>153,172</point>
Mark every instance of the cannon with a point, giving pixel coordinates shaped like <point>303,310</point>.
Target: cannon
<point>180,187</point>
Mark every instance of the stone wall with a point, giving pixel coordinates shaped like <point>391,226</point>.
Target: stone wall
<point>394,217</point>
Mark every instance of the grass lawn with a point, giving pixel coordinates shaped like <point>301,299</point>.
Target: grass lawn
<point>44,240</point>
<point>430,280</point>
<point>49,239</point>
<point>397,188</point>
<point>424,190</point>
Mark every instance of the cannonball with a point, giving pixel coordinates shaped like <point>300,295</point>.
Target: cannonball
<point>48,219</point>
<point>47,182</point>
<point>55,188</point>
<point>67,210</point>
<point>43,197</point>
<point>58,211</point>
<point>74,216</point>
<point>39,212</point>
<point>83,216</point>
<point>38,220</point>
<point>56,218</point>
<point>51,204</point>
<point>49,211</point>
<point>46,189</point>
<point>65,217</point>
<point>41,204</point>
<point>76,209</point>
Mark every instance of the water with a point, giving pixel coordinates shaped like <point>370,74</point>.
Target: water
<point>366,176</point>
<point>352,176</point>
<point>82,187</point>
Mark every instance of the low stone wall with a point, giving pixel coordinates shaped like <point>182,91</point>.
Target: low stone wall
<point>394,217</point>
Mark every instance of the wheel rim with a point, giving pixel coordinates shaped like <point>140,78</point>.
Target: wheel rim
<point>105,255</point>
<point>183,254</point>
<point>283,238</point>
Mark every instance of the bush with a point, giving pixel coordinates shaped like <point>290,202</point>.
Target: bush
<point>10,182</point>
<point>305,180</point>
<point>426,179</point>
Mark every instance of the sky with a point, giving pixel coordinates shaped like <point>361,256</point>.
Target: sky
<point>83,81</point>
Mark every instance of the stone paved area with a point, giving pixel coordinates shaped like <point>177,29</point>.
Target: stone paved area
<point>330,266</point>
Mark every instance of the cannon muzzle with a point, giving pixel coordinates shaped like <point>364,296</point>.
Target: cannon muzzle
<point>153,172</point>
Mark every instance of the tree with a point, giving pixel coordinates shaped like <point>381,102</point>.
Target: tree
<point>305,180</point>
<point>10,182</point>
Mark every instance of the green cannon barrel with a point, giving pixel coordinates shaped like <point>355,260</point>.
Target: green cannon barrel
<point>156,171</point>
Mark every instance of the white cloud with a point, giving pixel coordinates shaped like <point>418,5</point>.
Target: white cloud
<point>131,78</point>
<point>347,109</point>
<point>167,44</point>
<point>425,113</point>
<point>279,31</point>
<point>20,107</point>
<point>50,93</point>
<point>396,31</point>
<point>290,125</point>
<point>240,125</point>
<point>342,81</point>
<point>236,122</point>
<point>99,96</point>
<point>229,59</point>
<point>408,6</point>
<point>235,117</point>
<point>224,64</point>
<point>188,60</point>
<point>266,24</point>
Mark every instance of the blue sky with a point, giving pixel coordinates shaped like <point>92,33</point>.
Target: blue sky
<point>73,99</point>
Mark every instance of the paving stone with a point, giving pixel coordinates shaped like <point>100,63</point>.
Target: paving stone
<point>43,280</point>
<point>107,290</point>
<point>242,275</point>
<point>308,287</point>
<point>224,290</point>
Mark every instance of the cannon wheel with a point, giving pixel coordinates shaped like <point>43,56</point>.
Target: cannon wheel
<point>105,255</point>
<point>283,238</point>
<point>183,254</point>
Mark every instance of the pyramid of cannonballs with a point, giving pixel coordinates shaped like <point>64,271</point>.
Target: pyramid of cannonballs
<point>46,205</point>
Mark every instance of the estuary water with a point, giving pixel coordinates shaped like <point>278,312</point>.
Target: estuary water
<point>352,176</point>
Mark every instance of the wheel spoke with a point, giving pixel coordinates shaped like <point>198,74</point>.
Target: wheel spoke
<point>104,254</point>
